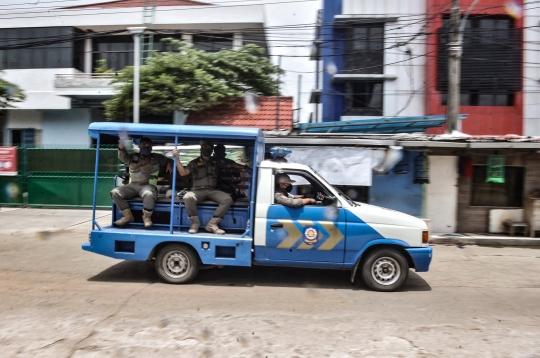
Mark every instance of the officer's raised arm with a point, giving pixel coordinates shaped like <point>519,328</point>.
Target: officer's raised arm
<point>181,170</point>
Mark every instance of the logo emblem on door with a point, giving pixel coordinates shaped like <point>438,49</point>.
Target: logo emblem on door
<point>311,236</point>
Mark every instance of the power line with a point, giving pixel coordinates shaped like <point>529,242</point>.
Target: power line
<point>137,10</point>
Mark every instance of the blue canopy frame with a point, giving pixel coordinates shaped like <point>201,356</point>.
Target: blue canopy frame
<point>187,134</point>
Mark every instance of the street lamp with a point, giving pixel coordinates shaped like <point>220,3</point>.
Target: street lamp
<point>136,32</point>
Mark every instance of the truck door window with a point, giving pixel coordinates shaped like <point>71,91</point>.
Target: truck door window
<point>305,186</point>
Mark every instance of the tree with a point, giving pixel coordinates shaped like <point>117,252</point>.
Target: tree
<point>191,80</point>
<point>9,93</point>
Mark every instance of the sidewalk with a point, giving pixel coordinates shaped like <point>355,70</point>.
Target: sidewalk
<point>483,239</point>
<point>39,219</point>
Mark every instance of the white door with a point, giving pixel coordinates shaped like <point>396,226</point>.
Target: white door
<point>442,193</point>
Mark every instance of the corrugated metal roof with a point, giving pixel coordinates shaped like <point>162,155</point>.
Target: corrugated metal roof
<point>421,140</point>
<point>377,125</point>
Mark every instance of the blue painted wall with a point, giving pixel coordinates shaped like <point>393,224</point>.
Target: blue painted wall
<point>332,51</point>
<point>397,191</point>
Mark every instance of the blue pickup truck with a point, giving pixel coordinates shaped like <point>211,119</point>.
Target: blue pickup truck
<point>379,244</point>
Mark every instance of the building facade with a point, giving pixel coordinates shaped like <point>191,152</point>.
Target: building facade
<point>53,57</point>
<point>383,60</point>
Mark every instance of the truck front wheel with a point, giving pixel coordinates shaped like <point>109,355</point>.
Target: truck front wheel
<point>177,264</point>
<point>385,270</point>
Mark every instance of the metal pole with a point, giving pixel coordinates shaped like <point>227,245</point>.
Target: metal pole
<point>277,94</point>
<point>136,32</point>
<point>298,98</point>
<point>454,69</point>
<point>317,61</point>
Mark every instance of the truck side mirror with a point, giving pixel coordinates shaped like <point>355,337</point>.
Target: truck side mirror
<point>329,200</point>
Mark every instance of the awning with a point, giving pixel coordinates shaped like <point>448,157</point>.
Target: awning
<point>377,125</point>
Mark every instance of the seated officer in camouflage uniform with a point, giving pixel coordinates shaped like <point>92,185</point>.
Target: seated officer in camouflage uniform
<point>143,171</point>
<point>205,172</point>
<point>283,194</point>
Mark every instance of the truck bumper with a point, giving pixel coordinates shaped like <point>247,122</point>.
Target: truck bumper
<point>421,257</point>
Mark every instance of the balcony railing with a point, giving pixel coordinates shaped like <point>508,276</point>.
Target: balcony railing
<point>83,80</point>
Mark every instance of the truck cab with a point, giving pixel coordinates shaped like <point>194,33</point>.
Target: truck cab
<point>335,233</point>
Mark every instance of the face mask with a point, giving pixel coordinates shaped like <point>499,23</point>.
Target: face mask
<point>145,150</point>
<point>288,188</point>
<point>206,152</point>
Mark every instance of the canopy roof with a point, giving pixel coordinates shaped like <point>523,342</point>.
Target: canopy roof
<point>167,132</point>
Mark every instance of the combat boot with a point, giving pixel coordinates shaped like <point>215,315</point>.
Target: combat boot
<point>147,218</point>
<point>127,217</point>
<point>212,226</point>
<point>195,224</point>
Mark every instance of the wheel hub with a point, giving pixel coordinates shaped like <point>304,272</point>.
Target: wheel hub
<point>176,264</point>
<point>386,271</point>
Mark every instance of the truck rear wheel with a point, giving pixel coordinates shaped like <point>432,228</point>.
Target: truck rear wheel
<point>177,263</point>
<point>385,270</point>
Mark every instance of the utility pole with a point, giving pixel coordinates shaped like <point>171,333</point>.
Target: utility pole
<point>298,102</point>
<point>277,93</point>
<point>136,32</point>
<point>454,69</point>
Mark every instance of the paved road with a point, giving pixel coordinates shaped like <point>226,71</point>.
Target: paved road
<point>59,301</point>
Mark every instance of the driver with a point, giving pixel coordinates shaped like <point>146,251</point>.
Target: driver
<point>283,194</point>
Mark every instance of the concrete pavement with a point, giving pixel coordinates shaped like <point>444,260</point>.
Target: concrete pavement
<point>48,220</point>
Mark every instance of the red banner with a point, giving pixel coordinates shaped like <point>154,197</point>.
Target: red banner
<point>8,160</point>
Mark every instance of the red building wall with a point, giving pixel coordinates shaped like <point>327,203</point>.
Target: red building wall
<point>496,120</point>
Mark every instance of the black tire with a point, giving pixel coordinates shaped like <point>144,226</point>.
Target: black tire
<point>385,270</point>
<point>177,263</point>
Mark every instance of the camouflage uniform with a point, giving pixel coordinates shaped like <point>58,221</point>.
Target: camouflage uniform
<point>143,172</point>
<point>205,180</point>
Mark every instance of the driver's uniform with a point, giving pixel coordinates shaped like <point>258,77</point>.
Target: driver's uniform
<point>287,199</point>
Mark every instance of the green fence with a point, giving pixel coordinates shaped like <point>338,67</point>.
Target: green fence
<point>61,177</point>
<point>68,190</point>
<point>11,190</point>
<point>71,160</point>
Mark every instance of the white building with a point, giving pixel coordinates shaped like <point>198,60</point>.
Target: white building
<point>62,95</point>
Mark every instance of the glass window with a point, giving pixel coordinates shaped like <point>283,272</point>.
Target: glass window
<point>368,38</point>
<point>507,194</point>
<point>360,38</point>
<point>376,38</point>
<point>367,95</point>
<point>117,51</point>
<point>476,98</point>
<point>213,42</point>
<point>56,55</point>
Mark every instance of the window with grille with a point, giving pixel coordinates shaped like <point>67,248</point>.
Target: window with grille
<point>491,68</point>
<point>365,49</point>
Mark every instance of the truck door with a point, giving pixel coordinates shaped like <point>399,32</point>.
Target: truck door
<point>308,233</point>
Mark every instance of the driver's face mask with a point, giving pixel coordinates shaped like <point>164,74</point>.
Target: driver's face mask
<point>288,188</point>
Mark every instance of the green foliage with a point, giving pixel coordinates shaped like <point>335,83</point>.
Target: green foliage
<point>10,93</point>
<point>102,67</point>
<point>191,80</point>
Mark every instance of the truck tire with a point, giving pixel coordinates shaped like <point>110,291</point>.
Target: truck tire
<point>177,263</point>
<point>385,270</point>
